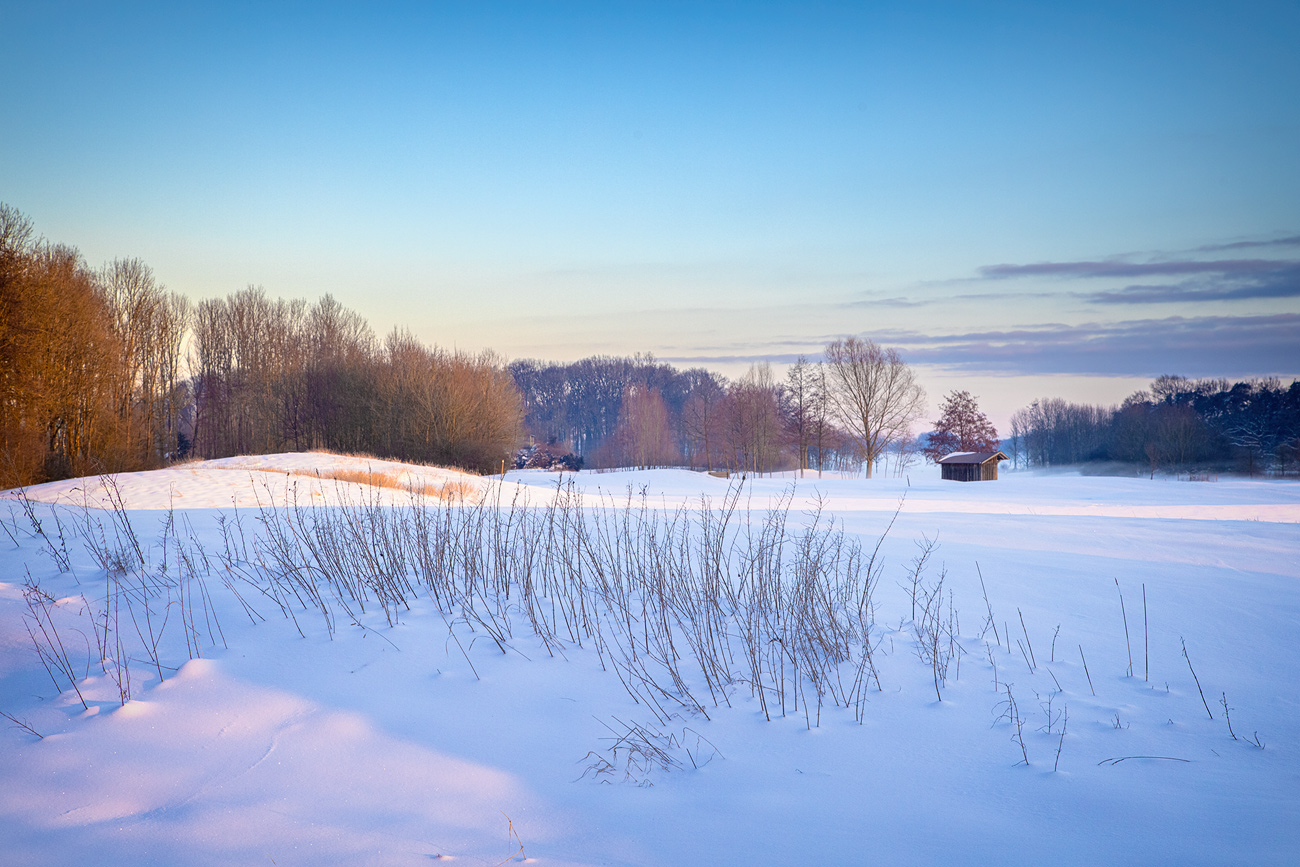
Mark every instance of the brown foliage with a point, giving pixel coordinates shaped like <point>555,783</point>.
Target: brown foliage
<point>59,363</point>
<point>90,362</point>
<point>92,375</point>
<point>282,376</point>
<point>446,407</point>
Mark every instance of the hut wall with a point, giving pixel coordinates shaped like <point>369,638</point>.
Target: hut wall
<point>962,472</point>
<point>985,472</point>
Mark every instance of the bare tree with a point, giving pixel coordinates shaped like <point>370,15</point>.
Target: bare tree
<point>754,421</point>
<point>874,393</point>
<point>643,437</point>
<point>134,298</point>
<point>702,422</point>
<point>906,452</point>
<point>824,435</point>
<point>799,408</point>
<point>212,364</point>
<point>1053,431</point>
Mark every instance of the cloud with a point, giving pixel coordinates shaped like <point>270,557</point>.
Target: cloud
<point>1206,280</point>
<point>1229,346</point>
<point>1174,268</point>
<point>1291,241</point>
<point>1282,281</point>
<point>1195,346</point>
<point>896,301</point>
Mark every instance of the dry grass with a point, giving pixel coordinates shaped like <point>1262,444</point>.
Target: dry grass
<point>451,490</point>
<point>446,491</point>
<point>361,477</point>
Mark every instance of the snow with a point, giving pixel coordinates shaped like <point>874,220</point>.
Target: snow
<point>250,480</point>
<point>393,745</point>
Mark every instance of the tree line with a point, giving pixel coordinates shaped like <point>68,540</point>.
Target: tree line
<point>273,376</point>
<point>854,408</point>
<point>91,367</point>
<point>104,370</point>
<point>1177,425</point>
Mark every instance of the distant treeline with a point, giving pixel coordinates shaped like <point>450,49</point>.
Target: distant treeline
<point>635,411</point>
<point>105,371</point>
<point>852,409</point>
<point>1178,425</point>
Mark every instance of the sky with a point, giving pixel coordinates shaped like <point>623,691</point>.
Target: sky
<point>1025,199</point>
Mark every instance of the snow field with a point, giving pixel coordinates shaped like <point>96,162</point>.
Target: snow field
<point>306,740</point>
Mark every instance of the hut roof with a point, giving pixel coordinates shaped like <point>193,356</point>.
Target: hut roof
<point>973,457</point>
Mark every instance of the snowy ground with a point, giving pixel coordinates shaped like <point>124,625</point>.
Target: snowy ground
<point>422,740</point>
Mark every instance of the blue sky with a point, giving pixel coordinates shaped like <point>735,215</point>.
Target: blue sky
<point>1027,199</point>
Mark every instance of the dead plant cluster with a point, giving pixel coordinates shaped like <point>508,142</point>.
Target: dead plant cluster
<point>635,752</point>
<point>685,606</point>
<point>155,603</point>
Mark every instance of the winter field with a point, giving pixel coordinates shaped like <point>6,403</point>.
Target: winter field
<point>314,659</point>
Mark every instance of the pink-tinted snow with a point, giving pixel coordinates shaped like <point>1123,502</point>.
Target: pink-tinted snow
<point>382,746</point>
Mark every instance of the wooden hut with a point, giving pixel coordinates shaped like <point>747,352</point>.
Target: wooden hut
<point>972,466</point>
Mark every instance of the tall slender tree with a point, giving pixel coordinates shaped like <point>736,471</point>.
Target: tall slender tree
<point>799,408</point>
<point>754,421</point>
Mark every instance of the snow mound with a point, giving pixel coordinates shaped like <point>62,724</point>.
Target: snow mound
<point>253,480</point>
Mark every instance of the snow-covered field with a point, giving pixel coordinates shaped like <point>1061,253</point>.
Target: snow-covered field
<point>288,728</point>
